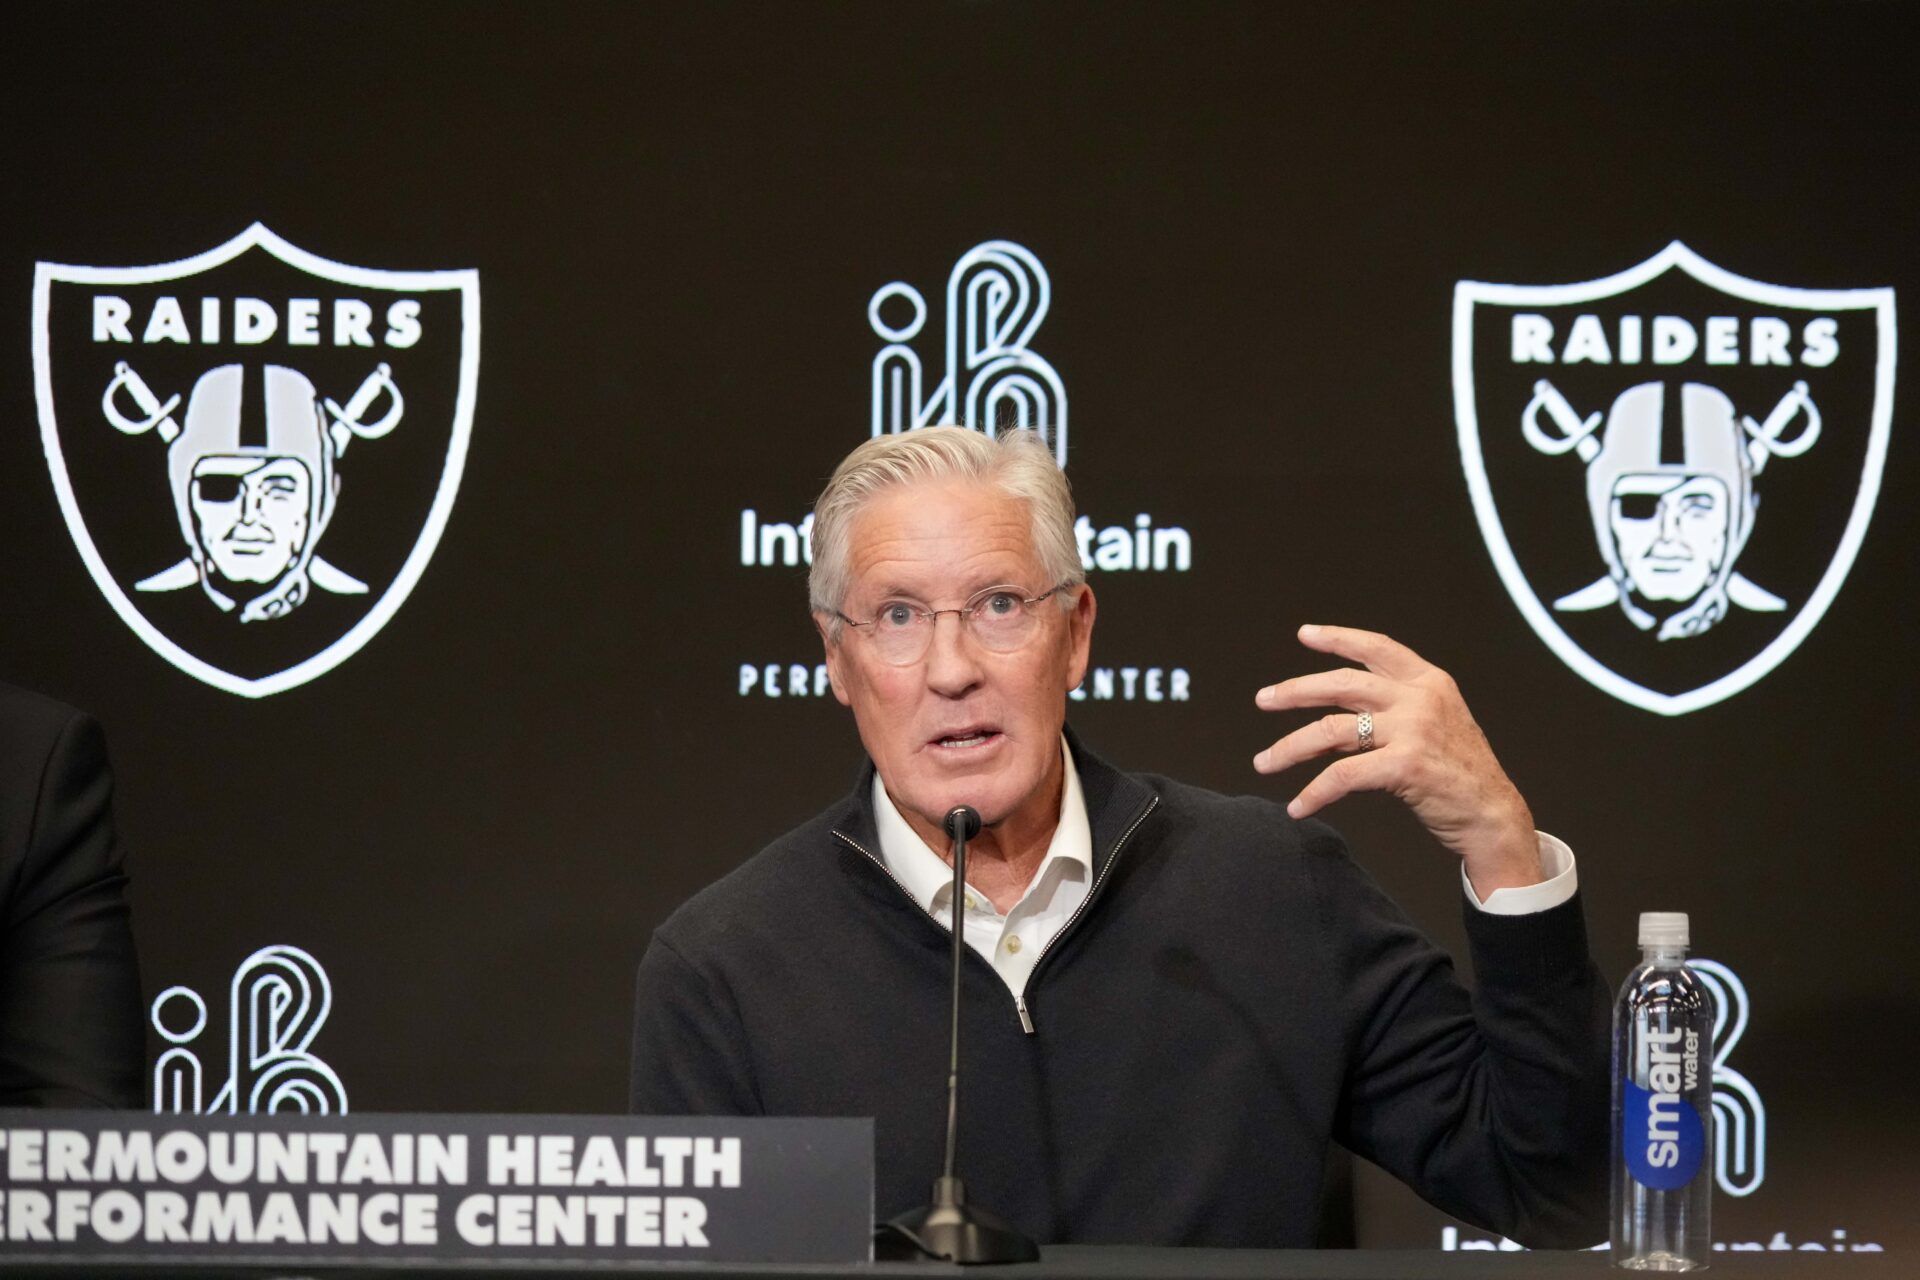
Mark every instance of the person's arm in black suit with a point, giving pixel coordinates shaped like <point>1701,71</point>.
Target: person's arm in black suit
<point>689,1049</point>
<point>71,1032</point>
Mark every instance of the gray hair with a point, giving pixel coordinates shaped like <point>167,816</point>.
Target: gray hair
<point>1018,463</point>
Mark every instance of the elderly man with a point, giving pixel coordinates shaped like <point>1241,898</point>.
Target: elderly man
<point>1173,999</point>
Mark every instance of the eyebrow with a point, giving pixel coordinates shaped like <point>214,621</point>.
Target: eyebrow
<point>896,592</point>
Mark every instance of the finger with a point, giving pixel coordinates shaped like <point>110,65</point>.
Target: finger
<point>1347,687</point>
<point>1330,733</point>
<point>1382,654</point>
<point>1367,771</point>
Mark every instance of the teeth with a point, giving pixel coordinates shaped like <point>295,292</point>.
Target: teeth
<point>975,740</point>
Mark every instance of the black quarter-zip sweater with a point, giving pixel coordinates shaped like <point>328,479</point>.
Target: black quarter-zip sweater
<point>1234,993</point>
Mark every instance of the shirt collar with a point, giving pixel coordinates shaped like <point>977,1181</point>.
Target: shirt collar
<point>925,873</point>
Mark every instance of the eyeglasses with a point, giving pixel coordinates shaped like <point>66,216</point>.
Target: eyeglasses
<point>1001,619</point>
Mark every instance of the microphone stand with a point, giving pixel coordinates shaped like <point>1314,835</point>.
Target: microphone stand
<point>951,1229</point>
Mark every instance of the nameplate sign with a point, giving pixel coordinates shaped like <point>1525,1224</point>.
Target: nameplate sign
<point>95,1185</point>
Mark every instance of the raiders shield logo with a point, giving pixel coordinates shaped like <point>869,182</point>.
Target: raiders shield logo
<point>255,449</point>
<point>1673,467</point>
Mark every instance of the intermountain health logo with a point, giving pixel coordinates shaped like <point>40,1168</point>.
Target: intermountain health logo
<point>991,379</point>
<point>1673,467</point>
<point>276,1004</point>
<point>256,449</point>
<point>997,298</point>
<point>1739,1114</point>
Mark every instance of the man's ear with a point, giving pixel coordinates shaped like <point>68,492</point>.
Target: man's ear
<point>824,625</point>
<point>1080,632</point>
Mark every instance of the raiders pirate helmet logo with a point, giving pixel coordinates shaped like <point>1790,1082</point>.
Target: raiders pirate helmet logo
<point>1673,467</point>
<point>197,419</point>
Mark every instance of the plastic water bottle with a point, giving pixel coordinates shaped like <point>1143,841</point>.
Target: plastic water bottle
<point>1662,1106</point>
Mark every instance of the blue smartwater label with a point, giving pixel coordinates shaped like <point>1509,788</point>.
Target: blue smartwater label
<point>1661,1136</point>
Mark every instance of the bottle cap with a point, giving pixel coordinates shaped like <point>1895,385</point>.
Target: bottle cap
<point>1663,928</point>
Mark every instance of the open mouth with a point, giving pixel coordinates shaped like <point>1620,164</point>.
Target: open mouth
<point>971,739</point>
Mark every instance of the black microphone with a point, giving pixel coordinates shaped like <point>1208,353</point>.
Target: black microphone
<point>963,824</point>
<point>950,1229</point>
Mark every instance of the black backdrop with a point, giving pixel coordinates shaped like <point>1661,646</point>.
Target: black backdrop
<point>1253,218</point>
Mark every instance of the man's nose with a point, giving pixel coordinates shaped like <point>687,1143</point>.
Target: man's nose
<point>952,661</point>
<point>1669,517</point>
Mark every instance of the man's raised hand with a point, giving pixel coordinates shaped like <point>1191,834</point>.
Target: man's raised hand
<point>1426,750</point>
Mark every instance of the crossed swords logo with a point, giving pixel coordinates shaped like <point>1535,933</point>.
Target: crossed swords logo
<point>347,421</point>
<point>1576,433</point>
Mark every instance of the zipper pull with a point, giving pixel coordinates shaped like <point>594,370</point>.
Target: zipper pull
<point>1026,1021</point>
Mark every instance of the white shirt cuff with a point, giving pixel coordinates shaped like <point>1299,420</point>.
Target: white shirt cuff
<point>1555,859</point>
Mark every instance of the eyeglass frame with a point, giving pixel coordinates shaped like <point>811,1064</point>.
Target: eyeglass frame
<point>964,612</point>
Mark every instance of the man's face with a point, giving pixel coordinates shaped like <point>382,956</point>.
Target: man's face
<point>963,725</point>
<point>1671,531</point>
<point>251,513</point>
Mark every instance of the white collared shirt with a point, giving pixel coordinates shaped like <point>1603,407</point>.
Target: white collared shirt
<point>1013,943</point>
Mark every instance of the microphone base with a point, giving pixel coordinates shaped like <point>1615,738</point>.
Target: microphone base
<point>955,1231</point>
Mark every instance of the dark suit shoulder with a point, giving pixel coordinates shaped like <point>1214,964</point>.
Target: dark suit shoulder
<point>763,893</point>
<point>70,1016</point>
<point>1252,830</point>
<point>30,723</point>
<point>35,732</point>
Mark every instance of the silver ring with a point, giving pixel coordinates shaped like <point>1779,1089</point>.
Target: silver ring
<point>1365,726</point>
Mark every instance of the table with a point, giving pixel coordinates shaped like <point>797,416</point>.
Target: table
<point>1060,1262</point>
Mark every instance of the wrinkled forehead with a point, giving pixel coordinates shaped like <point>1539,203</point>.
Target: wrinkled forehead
<point>261,466</point>
<point>940,536</point>
<point>1677,483</point>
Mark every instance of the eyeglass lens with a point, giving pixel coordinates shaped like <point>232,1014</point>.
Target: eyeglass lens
<point>1000,621</point>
